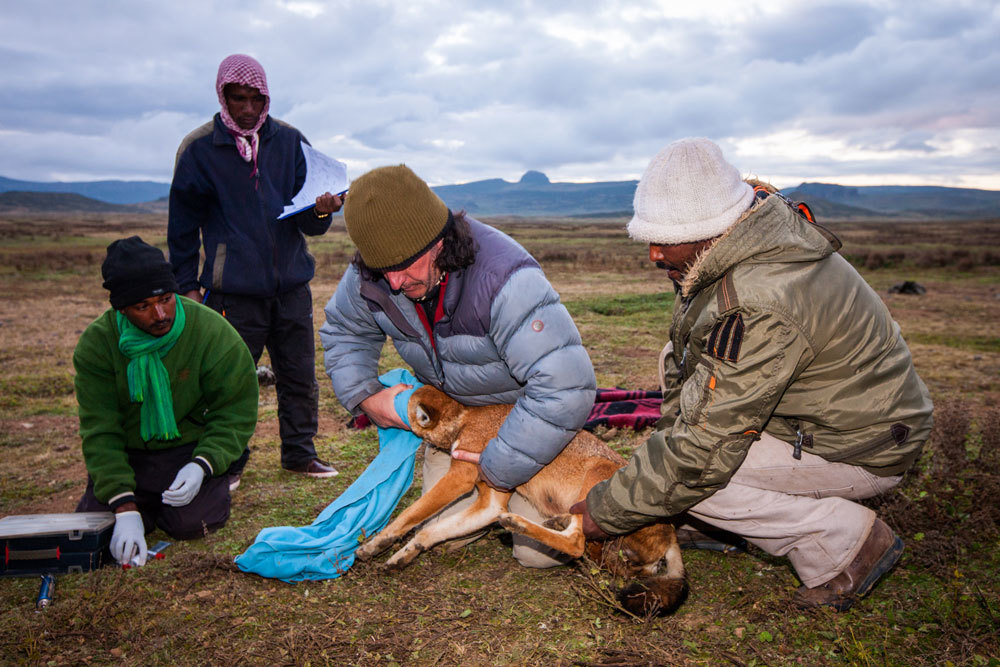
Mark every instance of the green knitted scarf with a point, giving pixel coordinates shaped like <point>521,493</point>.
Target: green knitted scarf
<point>148,378</point>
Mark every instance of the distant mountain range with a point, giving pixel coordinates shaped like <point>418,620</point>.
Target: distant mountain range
<point>56,202</point>
<point>902,201</point>
<point>113,192</point>
<point>535,195</point>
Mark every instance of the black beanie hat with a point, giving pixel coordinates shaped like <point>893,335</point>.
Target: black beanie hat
<point>135,270</point>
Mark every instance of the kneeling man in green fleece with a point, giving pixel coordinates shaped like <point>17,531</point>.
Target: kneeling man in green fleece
<point>168,401</point>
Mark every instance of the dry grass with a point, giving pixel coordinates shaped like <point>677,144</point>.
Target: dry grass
<point>476,607</point>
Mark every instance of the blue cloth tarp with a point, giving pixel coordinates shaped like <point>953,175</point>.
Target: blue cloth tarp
<point>325,548</point>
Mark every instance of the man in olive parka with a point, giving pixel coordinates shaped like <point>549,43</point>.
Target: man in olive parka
<point>790,391</point>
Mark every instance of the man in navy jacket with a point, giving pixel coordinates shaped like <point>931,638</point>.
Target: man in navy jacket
<point>232,178</point>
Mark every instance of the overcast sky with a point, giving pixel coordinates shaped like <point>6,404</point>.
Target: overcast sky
<point>862,93</point>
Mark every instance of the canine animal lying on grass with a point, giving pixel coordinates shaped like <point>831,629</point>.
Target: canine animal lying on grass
<point>586,460</point>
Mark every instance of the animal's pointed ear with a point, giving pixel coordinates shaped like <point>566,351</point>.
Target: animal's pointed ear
<point>425,415</point>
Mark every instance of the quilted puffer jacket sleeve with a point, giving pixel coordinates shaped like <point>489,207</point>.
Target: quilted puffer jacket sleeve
<point>538,340</point>
<point>352,342</point>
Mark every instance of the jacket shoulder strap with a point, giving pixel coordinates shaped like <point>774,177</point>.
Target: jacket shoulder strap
<point>727,298</point>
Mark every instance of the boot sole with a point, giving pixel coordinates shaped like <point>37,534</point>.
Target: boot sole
<point>319,475</point>
<point>884,564</point>
<point>315,475</point>
<point>882,567</point>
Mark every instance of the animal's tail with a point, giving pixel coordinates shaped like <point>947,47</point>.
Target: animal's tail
<point>654,596</point>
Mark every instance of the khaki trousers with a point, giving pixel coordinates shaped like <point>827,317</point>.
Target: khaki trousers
<point>527,552</point>
<point>801,509</point>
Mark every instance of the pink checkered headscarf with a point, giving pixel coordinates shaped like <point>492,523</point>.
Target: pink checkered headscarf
<point>245,71</point>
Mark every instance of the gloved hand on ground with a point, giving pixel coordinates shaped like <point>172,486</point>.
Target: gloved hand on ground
<point>128,538</point>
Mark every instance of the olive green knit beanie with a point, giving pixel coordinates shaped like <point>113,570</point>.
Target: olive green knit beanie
<point>393,216</point>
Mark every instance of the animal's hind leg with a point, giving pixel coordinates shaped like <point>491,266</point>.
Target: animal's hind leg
<point>459,480</point>
<point>570,540</point>
<point>563,532</point>
<point>484,510</point>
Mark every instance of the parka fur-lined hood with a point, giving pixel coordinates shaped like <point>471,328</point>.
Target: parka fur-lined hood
<point>769,231</point>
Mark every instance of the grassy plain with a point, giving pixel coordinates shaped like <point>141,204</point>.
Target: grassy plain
<point>476,606</point>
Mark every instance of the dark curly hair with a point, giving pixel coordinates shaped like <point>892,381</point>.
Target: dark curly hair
<point>457,252</point>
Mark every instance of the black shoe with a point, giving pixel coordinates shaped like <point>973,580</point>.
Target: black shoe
<point>234,482</point>
<point>266,377</point>
<point>315,468</point>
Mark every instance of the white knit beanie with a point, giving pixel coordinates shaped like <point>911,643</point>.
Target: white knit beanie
<point>688,193</point>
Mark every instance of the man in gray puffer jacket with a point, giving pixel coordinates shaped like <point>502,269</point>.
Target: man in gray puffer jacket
<point>472,313</point>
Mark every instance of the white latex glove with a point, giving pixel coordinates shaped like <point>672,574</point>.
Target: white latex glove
<point>185,486</point>
<point>129,538</point>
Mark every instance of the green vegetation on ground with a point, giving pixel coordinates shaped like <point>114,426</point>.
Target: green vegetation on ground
<point>476,606</point>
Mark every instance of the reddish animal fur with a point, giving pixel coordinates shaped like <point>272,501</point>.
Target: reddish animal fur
<point>586,460</point>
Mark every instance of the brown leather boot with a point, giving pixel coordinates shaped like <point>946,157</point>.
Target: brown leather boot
<point>878,554</point>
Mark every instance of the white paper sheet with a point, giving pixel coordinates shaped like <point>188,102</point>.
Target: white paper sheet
<point>323,174</point>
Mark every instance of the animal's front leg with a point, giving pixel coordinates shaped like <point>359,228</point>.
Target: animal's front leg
<point>484,510</point>
<point>569,539</point>
<point>459,480</point>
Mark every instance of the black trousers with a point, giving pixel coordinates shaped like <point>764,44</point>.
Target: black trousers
<point>154,472</point>
<point>284,325</point>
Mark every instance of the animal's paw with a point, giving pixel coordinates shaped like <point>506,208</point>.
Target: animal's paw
<point>370,549</point>
<point>390,567</point>
<point>560,522</point>
<point>379,568</point>
<point>403,557</point>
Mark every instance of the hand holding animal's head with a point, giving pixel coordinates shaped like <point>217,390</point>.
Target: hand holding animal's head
<point>435,416</point>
